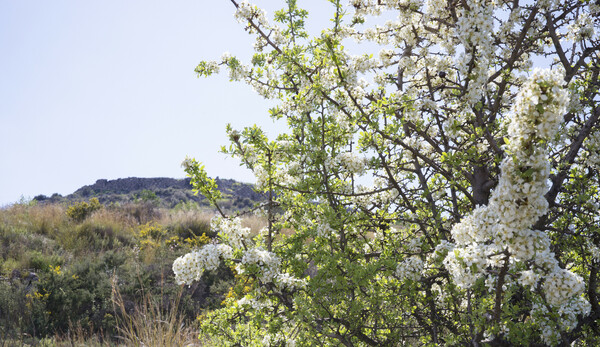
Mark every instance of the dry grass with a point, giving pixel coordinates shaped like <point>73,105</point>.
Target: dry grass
<point>78,337</point>
<point>185,217</point>
<point>112,217</point>
<point>150,326</point>
<point>191,217</point>
<point>255,223</point>
<point>39,219</point>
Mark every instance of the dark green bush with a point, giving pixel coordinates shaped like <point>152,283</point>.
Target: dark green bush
<point>80,294</point>
<point>42,262</point>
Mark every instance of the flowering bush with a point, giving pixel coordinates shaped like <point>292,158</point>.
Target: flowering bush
<point>440,189</point>
<point>80,211</point>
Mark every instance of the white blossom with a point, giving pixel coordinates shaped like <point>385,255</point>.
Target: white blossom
<point>190,267</point>
<point>411,268</point>
<point>491,233</point>
<point>267,261</point>
<point>231,229</point>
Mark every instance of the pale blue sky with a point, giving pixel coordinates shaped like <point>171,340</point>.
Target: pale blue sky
<point>106,89</point>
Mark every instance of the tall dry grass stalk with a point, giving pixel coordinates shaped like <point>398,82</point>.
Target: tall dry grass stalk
<point>77,336</point>
<point>148,325</point>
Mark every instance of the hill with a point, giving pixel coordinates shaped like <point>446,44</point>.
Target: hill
<point>166,192</point>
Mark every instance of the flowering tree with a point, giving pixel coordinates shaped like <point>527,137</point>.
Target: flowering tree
<point>433,188</point>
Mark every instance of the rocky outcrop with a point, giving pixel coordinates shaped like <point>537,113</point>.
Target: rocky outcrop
<point>132,184</point>
<point>167,192</point>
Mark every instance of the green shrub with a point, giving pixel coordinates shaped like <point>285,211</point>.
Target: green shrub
<point>21,311</point>
<point>187,205</point>
<point>8,265</point>
<point>80,293</point>
<point>90,236</point>
<point>147,196</point>
<point>40,261</point>
<point>79,211</point>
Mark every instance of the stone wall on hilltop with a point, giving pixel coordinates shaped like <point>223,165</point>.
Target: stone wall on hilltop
<point>132,184</point>
<point>168,192</point>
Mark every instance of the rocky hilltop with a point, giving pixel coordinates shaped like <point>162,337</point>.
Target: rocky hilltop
<point>166,192</point>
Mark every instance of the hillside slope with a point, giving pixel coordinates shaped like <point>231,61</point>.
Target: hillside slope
<point>166,192</point>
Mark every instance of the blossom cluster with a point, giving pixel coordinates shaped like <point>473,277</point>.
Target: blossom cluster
<point>287,281</point>
<point>411,268</point>
<point>247,12</point>
<point>187,163</point>
<point>540,315</point>
<point>267,262</point>
<point>561,285</point>
<point>285,176</point>
<point>595,251</point>
<point>474,28</point>
<point>592,150</point>
<point>230,229</point>
<point>377,195</point>
<point>324,230</point>
<point>351,162</point>
<point>190,267</point>
<point>582,28</point>
<point>500,231</point>
<point>474,25</point>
